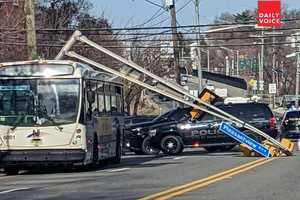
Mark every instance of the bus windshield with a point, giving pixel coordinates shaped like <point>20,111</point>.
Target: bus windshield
<point>42,102</point>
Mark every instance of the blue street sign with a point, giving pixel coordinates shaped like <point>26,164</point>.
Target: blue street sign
<point>243,138</point>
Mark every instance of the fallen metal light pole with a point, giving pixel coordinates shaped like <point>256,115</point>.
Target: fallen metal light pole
<point>205,107</point>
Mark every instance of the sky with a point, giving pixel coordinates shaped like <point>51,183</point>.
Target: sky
<point>127,13</point>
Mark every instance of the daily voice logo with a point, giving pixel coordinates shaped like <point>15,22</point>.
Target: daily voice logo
<point>268,13</point>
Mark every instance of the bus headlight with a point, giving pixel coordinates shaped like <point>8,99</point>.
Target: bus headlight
<point>77,140</point>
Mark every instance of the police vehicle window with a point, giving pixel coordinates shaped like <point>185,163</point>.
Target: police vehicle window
<point>293,116</point>
<point>179,114</point>
<point>249,112</point>
<point>206,117</point>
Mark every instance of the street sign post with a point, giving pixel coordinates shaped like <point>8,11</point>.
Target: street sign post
<point>243,138</point>
<point>261,85</point>
<point>272,88</point>
<point>254,85</point>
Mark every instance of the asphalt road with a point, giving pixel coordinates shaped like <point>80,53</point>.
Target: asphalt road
<point>141,176</point>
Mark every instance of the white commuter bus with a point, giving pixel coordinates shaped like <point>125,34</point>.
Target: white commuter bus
<point>58,113</point>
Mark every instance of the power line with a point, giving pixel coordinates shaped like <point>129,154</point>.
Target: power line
<point>160,47</point>
<point>155,4</point>
<point>156,15</point>
<point>146,36</point>
<point>167,18</point>
<point>89,32</point>
<point>136,39</point>
<point>184,5</point>
<point>155,27</point>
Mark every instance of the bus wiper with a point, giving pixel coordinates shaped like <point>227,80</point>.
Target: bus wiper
<point>18,123</point>
<point>53,122</point>
<point>43,112</point>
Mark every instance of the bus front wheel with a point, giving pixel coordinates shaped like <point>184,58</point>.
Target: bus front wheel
<point>117,158</point>
<point>95,151</point>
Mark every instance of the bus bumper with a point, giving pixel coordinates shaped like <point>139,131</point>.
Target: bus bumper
<point>41,157</point>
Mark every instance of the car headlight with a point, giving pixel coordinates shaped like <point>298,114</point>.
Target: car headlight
<point>136,129</point>
<point>152,132</point>
<point>184,126</point>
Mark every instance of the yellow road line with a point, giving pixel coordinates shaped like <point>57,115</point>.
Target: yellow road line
<point>179,190</point>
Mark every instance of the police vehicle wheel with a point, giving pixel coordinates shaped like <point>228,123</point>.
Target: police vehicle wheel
<point>138,152</point>
<point>171,145</point>
<point>9,171</point>
<point>212,149</point>
<point>147,148</point>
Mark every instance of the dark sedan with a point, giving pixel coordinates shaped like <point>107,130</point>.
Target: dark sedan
<point>290,125</point>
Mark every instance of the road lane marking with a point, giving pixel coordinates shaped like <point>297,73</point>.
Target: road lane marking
<point>118,170</point>
<point>14,190</point>
<point>179,190</point>
<point>179,158</point>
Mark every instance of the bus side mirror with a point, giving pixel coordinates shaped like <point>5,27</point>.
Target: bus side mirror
<point>91,97</point>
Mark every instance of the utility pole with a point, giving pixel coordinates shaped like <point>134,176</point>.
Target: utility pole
<point>175,40</point>
<point>208,61</point>
<point>260,82</point>
<point>297,53</point>
<point>261,69</point>
<point>297,71</point>
<point>237,63</point>
<point>232,66</point>
<point>198,37</point>
<point>273,57</point>
<point>30,28</point>
<point>227,66</point>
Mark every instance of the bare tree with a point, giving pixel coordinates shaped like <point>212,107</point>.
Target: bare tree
<point>12,35</point>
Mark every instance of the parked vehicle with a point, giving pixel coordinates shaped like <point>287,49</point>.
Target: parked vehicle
<point>173,136</point>
<point>289,100</point>
<point>137,135</point>
<point>131,120</point>
<point>290,125</point>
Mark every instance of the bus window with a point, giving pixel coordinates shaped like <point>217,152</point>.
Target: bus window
<point>118,90</point>
<point>91,108</point>
<point>119,99</point>
<point>101,102</point>
<point>114,107</point>
<point>119,105</point>
<point>93,88</point>
<point>100,88</point>
<point>107,103</point>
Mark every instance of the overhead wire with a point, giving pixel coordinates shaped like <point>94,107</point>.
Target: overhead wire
<point>153,3</point>
<point>153,27</point>
<point>167,32</point>
<point>161,47</point>
<point>194,39</point>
